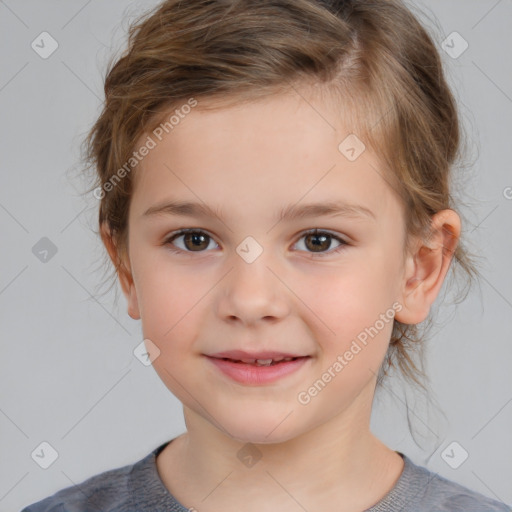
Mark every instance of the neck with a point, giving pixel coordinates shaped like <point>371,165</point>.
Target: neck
<point>325,466</point>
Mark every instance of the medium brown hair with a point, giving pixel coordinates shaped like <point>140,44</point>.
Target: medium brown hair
<point>373,57</point>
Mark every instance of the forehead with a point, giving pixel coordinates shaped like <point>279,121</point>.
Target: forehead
<point>279,149</point>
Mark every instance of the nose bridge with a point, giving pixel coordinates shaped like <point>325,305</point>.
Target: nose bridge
<point>251,274</point>
<point>251,290</point>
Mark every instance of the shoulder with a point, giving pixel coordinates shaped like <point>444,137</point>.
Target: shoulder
<point>453,497</point>
<point>438,494</point>
<point>109,491</point>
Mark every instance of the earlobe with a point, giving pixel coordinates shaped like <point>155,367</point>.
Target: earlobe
<point>426,267</point>
<point>128,287</point>
<point>133,305</point>
<point>123,272</point>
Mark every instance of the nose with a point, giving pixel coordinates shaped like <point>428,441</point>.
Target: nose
<point>252,292</point>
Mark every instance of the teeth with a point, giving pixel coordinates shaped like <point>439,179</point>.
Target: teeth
<point>268,362</point>
<point>264,362</point>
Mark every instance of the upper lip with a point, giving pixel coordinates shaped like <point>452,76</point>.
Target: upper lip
<point>238,355</point>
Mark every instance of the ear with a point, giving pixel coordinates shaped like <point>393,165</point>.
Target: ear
<point>122,264</point>
<point>426,267</point>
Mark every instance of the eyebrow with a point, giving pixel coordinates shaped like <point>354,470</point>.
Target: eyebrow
<point>291,212</point>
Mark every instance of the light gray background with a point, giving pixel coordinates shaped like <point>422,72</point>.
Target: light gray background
<point>68,373</point>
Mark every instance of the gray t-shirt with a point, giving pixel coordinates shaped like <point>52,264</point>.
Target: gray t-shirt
<point>138,488</point>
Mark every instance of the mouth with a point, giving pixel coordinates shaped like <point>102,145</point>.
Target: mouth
<point>257,371</point>
<point>264,357</point>
<point>261,362</point>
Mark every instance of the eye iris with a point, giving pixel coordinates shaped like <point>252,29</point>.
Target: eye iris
<point>195,237</point>
<point>316,246</point>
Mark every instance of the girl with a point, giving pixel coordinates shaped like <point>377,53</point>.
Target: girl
<point>274,194</point>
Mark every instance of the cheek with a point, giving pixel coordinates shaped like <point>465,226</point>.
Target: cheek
<point>348,297</point>
<point>172,310</point>
<point>171,302</point>
<point>351,308</point>
<point>353,331</point>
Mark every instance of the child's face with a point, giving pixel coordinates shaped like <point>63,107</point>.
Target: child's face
<point>249,163</point>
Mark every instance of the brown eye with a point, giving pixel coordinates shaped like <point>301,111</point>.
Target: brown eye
<point>193,241</point>
<point>320,242</point>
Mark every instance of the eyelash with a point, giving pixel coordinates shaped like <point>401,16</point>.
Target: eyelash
<point>177,234</point>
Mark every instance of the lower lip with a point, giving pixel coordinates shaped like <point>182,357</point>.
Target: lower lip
<point>255,375</point>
